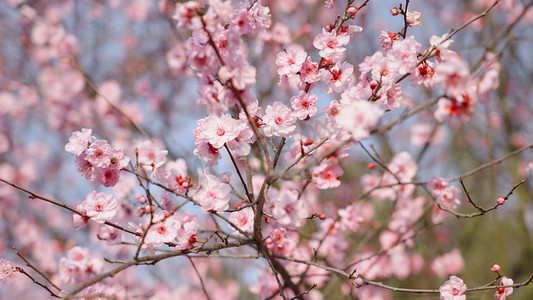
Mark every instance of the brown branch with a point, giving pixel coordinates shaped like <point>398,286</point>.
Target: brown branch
<point>199,277</point>
<point>63,205</point>
<point>35,269</point>
<point>153,259</point>
<point>482,211</point>
<point>44,286</point>
<point>491,163</point>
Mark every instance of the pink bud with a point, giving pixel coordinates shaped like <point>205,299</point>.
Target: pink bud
<point>140,211</point>
<point>500,200</point>
<point>496,268</point>
<point>225,178</point>
<point>394,11</point>
<point>371,166</point>
<point>373,84</point>
<point>307,141</point>
<point>358,282</point>
<point>351,11</point>
<point>322,216</point>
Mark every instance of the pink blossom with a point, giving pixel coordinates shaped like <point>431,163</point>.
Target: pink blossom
<point>79,141</point>
<point>454,75</point>
<point>79,265</point>
<point>211,193</point>
<point>187,233</point>
<point>407,212</point>
<point>208,153</point>
<point>453,289</point>
<point>386,39</point>
<point>243,21</point>
<point>288,209</point>
<point>391,96</point>
<point>355,215</point>
<point>403,55</point>
<point>449,263</point>
<point>265,285</point>
<point>110,234</point>
<point>290,60</point>
<point>175,175</point>
<point>339,77</point>
<point>241,74</point>
<point>6,269</point>
<point>413,19</point>
<point>441,45</point>
<point>358,117</point>
<point>329,3</point>
<point>277,238</point>
<point>99,207</point>
<point>218,130</point>
<point>279,120</point>
<point>455,112</point>
<point>240,146</point>
<point>333,109</point>
<point>184,12</point>
<point>403,166</point>
<point>309,72</point>
<point>326,175</point>
<point>303,105</point>
<point>424,74</point>
<point>177,58</point>
<point>244,219</point>
<point>99,154</point>
<point>502,293</point>
<point>261,16</point>
<point>444,192</point>
<point>164,230</point>
<point>330,44</point>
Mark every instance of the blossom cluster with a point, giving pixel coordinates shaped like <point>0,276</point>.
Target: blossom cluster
<point>96,159</point>
<point>79,265</point>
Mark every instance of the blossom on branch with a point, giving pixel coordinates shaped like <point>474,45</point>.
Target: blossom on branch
<point>453,289</point>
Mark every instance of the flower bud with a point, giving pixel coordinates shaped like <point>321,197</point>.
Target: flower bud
<point>496,268</point>
<point>358,282</point>
<point>351,11</point>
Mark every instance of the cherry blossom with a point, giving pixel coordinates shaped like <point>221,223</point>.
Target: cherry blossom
<point>339,77</point>
<point>79,265</point>
<point>413,19</point>
<point>449,263</point>
<point>309,72</point>
<point>453,289</point>
<point>290,60</point>
<point>303,105</point>
<point>358,117</point>
<point>330,44</point>
<point>6,269</point>
<point>211,193</point>
<point>502,293</point>
<point>219,130</point>
<point>79,141</point>
<point>243,218</point>
<point>326,175</point>
<point>279,120</point>
<point>99,207</point>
